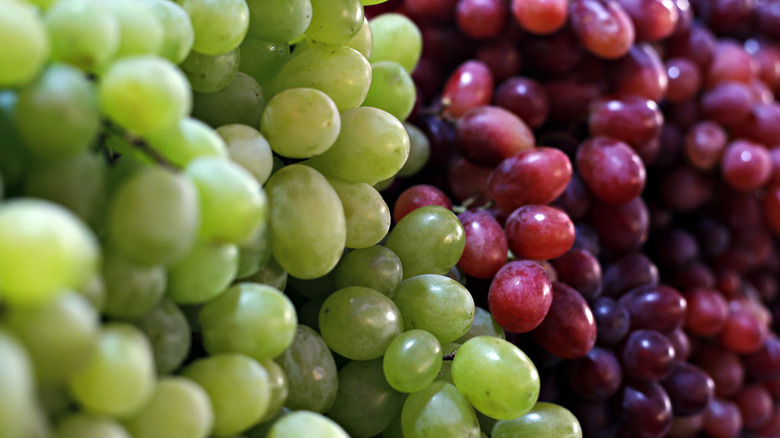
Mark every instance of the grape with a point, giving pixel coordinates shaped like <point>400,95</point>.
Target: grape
<point>412,361</point>
<point>483,325</point>
<point>397,39</point>
<point>391,90</point>
<point>169,333</point>
<point>241,102</point>
<point>612,171</point>
<point>334,21</point>
<point>545,169</point>
<point>279,20</point>
<point>219,25</point>
<point>187,140</point>
<point>178,35</point>
<point>262,60</point>
<point>746,166</point>
<point>524,97</point>
<point>202,274</point>
<point>539,232</point>
<point>544,419</point>
<point>487,135</point>
<point>520,296</point>
<point>647,356</point>
<point>604,28</point>
<point>612,321</point>
<point>367,216</point>
<point>569,329</point>
<point>131,289</point>
<point>363,41</point>
<point>485,251</point>
<point>419,151</point>
<point>303,424</point>
<point>82,33</point>
<point>438,410</point>
<point>375,267</point>
<point>655,307</point>
<point>540,17</point>
<point>27,49</point>
<point>315,287</point>
<point>646,410</point>
<point>296,108</point>
<point>279,389</point>
<point>419,196</point>
<point>468,87</point>
<point>17,399</point>
<point>80,426</point>
<point>140,30</point>
<point>249,149</point>
<point>210,73</point>
<point>271,274</point>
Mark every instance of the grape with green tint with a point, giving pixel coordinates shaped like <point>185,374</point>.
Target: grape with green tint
<point>437,304</point>
<point>178,35</point>
<point>179,408</point>
<point>305,424</point>
<point>365,404</point>
<point>484,325</point>
<point>429,240</point>
<point>315,287</point>
<point>394,430</point>
<point>169,333</point>
<point>249,149</point>
<point>419,151</point>
<point>335,21</point>
<point>340,72</point>
<point>309,312</point>
<point>40,237</point>
<point>219,25</point>
<point>153,217</point>
<point>271,274</point>
<point>26,46</point>
<point>254,253</point>
<point>496,377</point>
<point>262,60</point>
<point>311,372</point>
<point>14,156</point>
<point>210,73</point>
<point>132,289</point>
<point>445,374</point>
<point>439,410</point>
<point>308,227</point>
<point>240,102</point>
<point>365,211</point>
<point>145,94</point>
<point>82,425</point>
<point>202,274</point>
<point>412,361</point>
<point>300,122</point>
<point>249,318</point>
<point>397,39</point>
<point>238,388</point>
<point>372,145</point>
<point>187,140</point>
<point>371,2</point>
<point>279,388</point>
<point>140,31</point>
<point>82,33</point>
<point>119,379</point>
<point>375,267</point>
<point>363,41</point>
<point>17,399</point>
<point>392,89</point>
<point>278,20</point>
<point>545,420</point>
<point>359,323</point>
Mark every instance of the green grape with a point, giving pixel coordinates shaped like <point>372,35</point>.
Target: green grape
<point>40,237</point>
<point>335,21</point>
<point>437,304</point>
<point>366,213</point>
<point>363,41</point>
<point>118,379</point>
<point>309,313</point>
<point>254,253</point>
<point>359,323</point>
<point>202,274</point>
<point>233,205</point>
<point>278,20</point>
<point>392,89</point>
<point>132,290</point>
<point>263,60</point>
<point>429,240</point>
<point>438,410</point>
<point>311,372</point>
<point>249,149</point>
<point>315,287</point>
<point>261,430</point>
<point>169,333</point>
<point>153,217</point>
<point>14,156</point>
<point>372,145</point>
<point>412,361</point>
<point>484,325</point>
<point>184,141</point>
<point>485,423</point>
<point>58,113</point>
<point>304,424</point>
<point>279,389</point>
<point>371,2</point>
<point>308,228</point>
<point>300,122</point>
<point>82,33</point>
<point>240,102</point>
<point>95,292</point>
<point>384,184</point>
<point>545,420</point>
<point>178,35</point>
<point>219,25</point>
<point>365,404</point>
<point>145,94</point>
<point>83,426</point>
<point>179,408</point>
<point>238,388</point>
<point>397,39</point>
<point>252,319</point>
<point>271,274</point>
<point>17,399</point>
<point>60,336</point>
<point>419,151</point>
<point>340,72</point>
<point>25,47</point>
<point>496,377</point>
<point>375,267</point>
<point>140,30</point>
<point>394,430</point>
<point>210,73</point>
<point>445,374</point>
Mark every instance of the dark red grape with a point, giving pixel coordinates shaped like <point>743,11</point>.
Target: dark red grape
<point>539,232</point>
<point>612,321</point>
<point>611,170</point>
<point>647,356</point>
<point>468,182</point>
<point>771,208</point>
<point>553,54</point>
<point>575,199</point>
<point>771,428</point>
<point>689,388</point>
<point>653,19</point>
<point>604,27</point>
<point>486,135</point>
<point>469,86</point>
<point>722,419</point>
<point>520,296</point>
<point>730,62</point>
<point>728,102</point>
<point>645,411</point>
<point>641,72</point>
<point>526,98</point>
<point>486,248</point>
<point>502,58</point>
<point>725,369</point>
<point>684,79</point>
<point>417,197</point>
<point>632,119</point>
<point>762,125</point>
<point>704,144</point>
<point>698,45</point>
<point>685,189</point>
<point>628,272</point>
<point>681,344</point>
<point>581,270</point>
<point>706,313</point>
<point>685,427</point>
<point>481,19</point>
<point>541,17</point>
<point>595,376</point>
<point>755,405</point>
<point>655,307</point>
<point>438,10</point>
<point>729,17</point>
<point>694,275</point>
<point>676,248</point>
<point>764,363</point>
<point>746,166</point>
<point>569,330</point>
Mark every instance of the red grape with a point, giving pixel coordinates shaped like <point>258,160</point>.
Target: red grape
<point>520,296</point>
<point>469,86</point>
<point>526,98</point>
<point>612,171</point>
<point>486,248</point>
<point>653,19</point>
<point>569,330</point>
<point>486,135</point>
<point>603,26</point>
<point>539,232</point>
<point>481,19</point>
<point>419,196</point>
<point>541,17</point>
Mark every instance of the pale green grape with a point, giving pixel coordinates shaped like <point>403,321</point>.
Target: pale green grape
<point>397,39</point>
<point>219,25</point>
<point>363,41</point>
<point>145,94</point>
<point>438,410</point>
<point>118,379</point>
<point>262,60</point>
<point>60,336</point>
<point>83,426</point>
<point>437,304</point>
<point>484,325</point>
<point>419,151</point>
<point>169,333</point>
<point>340,72</point>
<point>545,420</point>
<point>445,374</point>
<point>311,372</point>
<point>359,323</point>
<point>238,388</point>
<point>40,237</point>
<point>178,35</point>
<point>308,227</point>
<point>249,318</point>
<point>300,122</point>
<point>202,274</point>
<point>95,292</point>
<point>279,20</point>
<point>304,424</point>
<point>249,149</point>
<point>496,377</point>
<point>210,73</point>
<point>254,253</point>
<point>314,287</point>
<point>58,114</point>
<point>132,290</point>
<point>392,89</point>
<point>240,102</point>
<point>187,140</point>
<point>279,388</point>
<point>82,33</point>
<point>153,217</point>
<point>412,361</point>
<point>429,240</point>
<point>140,30</point>
<point>271,274</point>
<point>335,21</point>
<point>375,267</point>
<point>309,312</point>
<point>25,46</point>
<point>365,404</point>
<point>17,399</point>
<point>366,213</point>
<point>179,408</point>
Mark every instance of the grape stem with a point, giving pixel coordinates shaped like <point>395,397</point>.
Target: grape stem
<point>141,145</point>
<point>449,356</point>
